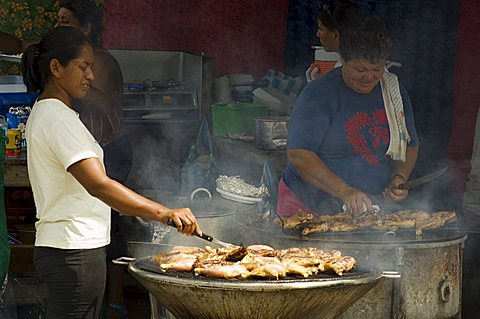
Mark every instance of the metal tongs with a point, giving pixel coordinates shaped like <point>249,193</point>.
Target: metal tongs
<point>375,209</point>
<point>205,236</point>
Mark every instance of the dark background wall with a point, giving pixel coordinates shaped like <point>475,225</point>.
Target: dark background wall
<point>245,36</point>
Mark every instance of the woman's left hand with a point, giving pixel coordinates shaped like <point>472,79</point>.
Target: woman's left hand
<point>393,192</point>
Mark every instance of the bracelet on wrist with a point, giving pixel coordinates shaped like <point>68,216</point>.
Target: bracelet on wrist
<point>399,176</point>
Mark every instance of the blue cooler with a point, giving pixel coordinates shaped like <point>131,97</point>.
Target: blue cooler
<point>14,93</point>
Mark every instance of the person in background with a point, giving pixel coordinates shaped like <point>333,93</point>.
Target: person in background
<point>71,189</point>
<point>101,112</point>
<point>346,144</point>
<point>12,45</point>
<point>333,18</point>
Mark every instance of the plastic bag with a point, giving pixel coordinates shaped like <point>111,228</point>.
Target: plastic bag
<point>268,205</point>
<point>199,169</point>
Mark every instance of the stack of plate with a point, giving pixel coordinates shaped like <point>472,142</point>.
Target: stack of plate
<point>238,198</point>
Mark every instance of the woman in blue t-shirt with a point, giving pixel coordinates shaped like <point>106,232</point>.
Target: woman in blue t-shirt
<point>345,143</point>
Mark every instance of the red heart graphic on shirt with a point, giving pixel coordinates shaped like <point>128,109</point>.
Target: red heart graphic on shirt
<point>361,120</point>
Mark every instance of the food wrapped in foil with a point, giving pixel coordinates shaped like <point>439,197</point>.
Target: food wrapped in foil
<point>237,185</point>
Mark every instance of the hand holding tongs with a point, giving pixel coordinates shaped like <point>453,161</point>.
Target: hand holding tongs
<point>204,236</point>
<point>375,209</point>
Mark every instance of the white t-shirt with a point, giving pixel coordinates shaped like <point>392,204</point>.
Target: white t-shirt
<point>69,217</point>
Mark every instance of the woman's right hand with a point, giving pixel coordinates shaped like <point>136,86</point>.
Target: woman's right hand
<point>356,201</point>
<point>184,219</point>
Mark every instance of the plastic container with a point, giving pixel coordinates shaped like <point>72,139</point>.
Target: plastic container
<point>271,132</point>
<point>236,119</point>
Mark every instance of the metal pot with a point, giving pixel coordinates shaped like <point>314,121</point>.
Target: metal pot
<point>430,268</point>
<point>188,296</point>
<point>271,132</point>
<point>214,214</point>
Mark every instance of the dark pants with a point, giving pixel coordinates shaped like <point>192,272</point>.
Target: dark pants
<point>75,281</point>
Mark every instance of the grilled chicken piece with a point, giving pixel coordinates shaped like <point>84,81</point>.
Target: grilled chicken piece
<point>318,228</point>
<point>339,226</point>
<point>176,261</point>
<point>270,267</point>
<point>433,222</point>
<point>253,248</point>
<point>236,254</point>
<point>341,217</point>
<point>395,224</point>
<point>298,252</point>
<point>293,267</point>
<point>261,250</point>
<point>225,270</point>
<point>299,218</point>
<point>339,265</point>
<point>418,215</point>
<point>306,257</point>
<point>448,217</point>
<point>336,262</point>
<point>367,221</point>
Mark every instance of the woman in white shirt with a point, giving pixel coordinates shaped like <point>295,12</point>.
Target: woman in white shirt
<point>72,192</point>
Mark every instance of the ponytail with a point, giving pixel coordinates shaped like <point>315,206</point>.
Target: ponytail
<point>30,70</point>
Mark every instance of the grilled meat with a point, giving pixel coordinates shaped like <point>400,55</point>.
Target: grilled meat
<point>297,219</point>
<point>436,220</point>
<point>269,267</point>
<point>342,222</point>
<point>176,261</point>
<point>259,261</point>
<point>225,269</point>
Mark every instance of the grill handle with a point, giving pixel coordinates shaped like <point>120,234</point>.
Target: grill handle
<point>391,274</point>
<point>123,260</point>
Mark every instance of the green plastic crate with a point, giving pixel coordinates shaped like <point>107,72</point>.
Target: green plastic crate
<point>232,119</point>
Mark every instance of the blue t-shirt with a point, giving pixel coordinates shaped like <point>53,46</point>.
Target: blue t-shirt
<point>349,132</point>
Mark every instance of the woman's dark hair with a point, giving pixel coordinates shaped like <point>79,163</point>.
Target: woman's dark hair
<point>370,41</point>
<point>339,14</point>
<point>61,43</point>
<point>87,12</point>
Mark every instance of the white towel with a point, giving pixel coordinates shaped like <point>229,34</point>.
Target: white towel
<point>392,99</point>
